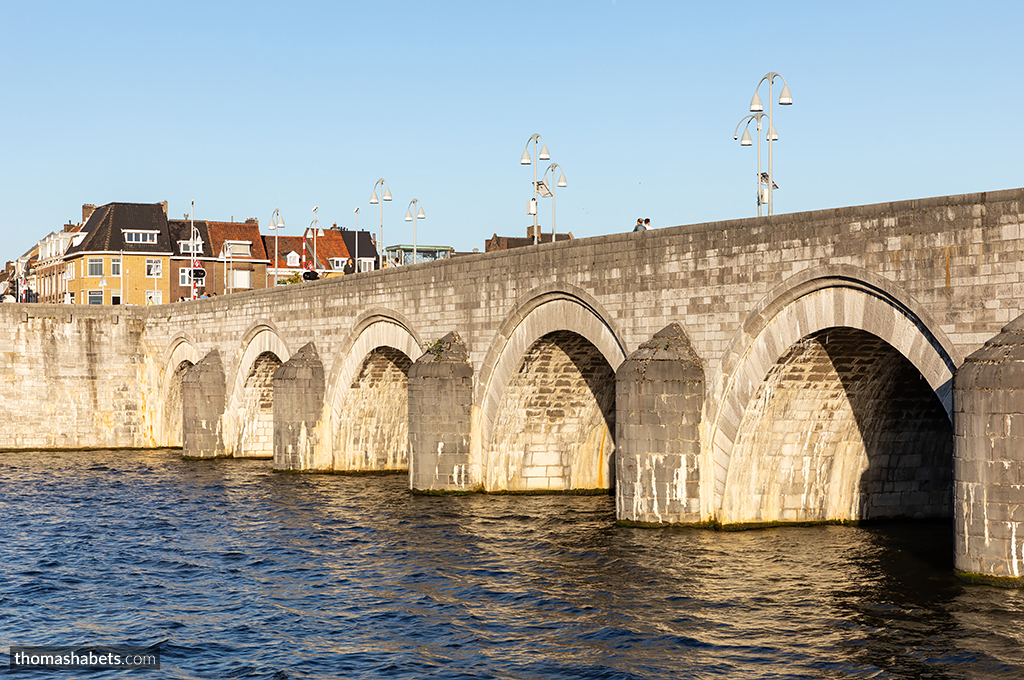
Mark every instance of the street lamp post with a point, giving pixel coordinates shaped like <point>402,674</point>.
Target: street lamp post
<point>409,218</point>
<point>373,201</point>
<point>526,160</point>
<point>276,224</point>
<point>560,183</point>
<point>785,99</point>
<point>746,141</point>
<point>356,211</point>
<point>314,226</point>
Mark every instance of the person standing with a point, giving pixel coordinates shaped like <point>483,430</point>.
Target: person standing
<point>639,225</point>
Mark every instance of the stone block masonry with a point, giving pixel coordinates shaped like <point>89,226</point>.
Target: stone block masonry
<point>203,398</point>
<point>931,280</point>
<point>440,417</point>
<point>988,400</point>
<point>298,402</point>
<point>659,396</point>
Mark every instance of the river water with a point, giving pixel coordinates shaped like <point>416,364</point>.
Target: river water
<point>237,572</point>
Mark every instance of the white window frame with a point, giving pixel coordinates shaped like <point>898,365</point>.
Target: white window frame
<point>93,262</point>
<point>365,264</point>
<point>140,236</point>
<point>115,266</point>
<point>157,295</point>
<point>246,284</point>
<point>244,248</point>
<point>154,268</point>
<point>92,295</point>
<point>185,247</point>
<point>292,259</point>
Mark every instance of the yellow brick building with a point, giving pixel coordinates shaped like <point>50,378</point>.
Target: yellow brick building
<point>121,256</point>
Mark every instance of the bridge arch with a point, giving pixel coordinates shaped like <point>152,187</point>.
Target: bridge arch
<point>249,415</point>
<point>368,402</point>
<point>552,367</point>
<point>180,355</point>
<point>822,361</point>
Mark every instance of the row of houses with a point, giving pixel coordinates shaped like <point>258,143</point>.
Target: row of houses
<point>133,254</point>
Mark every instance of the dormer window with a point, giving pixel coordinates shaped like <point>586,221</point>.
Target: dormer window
<point>237,249</point>
<point>337,263</point>
<point>293,259</point>
<point>140,236</point>
<point>185,247</point>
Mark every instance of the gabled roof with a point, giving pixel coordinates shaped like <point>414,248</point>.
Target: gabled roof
<point>366,245</point>
<point>104,230</point>
<point>221,232</point>
<point>330,245</point>
<point>181,230</point>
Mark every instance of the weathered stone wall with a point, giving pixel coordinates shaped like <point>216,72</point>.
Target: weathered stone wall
<point>440,417</point>
<point>659,396</point>
<point>203,396</point>
<point>842,428</point>
<point>555,420</point>
<point>72,377</point>
<point>255,422</point>
<point>373,430</point>
<point>298,401</point>
<point>989,461</point>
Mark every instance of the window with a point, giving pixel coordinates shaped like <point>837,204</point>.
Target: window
<point>365,264</point>
<point>115,298</point>
<point>185,278</point>
<point>185,247</point>
<point>115,266</point>
<point>96,267</point>
<point>69,271</point>
<point>95,297</point>
<point>293,259</point>
<point>337,263</point>
<point>241,278</point>
<point>140,237</point>
<point>240,249</point>
<point>154,269</point>
<point>154,297</point>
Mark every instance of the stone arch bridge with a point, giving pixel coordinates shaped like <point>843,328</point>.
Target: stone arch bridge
<point>796,368</point>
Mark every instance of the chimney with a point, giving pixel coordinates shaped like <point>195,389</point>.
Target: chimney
<point>87,210</point>
<point>163,204</point>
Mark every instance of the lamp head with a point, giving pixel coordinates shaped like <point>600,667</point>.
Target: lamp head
<point>408,216</point>
<point>785,99</point>
<point>755,103</point>
<point>773,136</point>
<point>373,198</point>
<point>356,211</point>
<point>561,181</point>
<point>419,214</point>
<point>525,160</point>
<point>544,155</point>
<point>387,194</point>
<point>746,141</point>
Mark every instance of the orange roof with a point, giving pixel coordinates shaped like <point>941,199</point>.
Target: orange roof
<point>237,231</point>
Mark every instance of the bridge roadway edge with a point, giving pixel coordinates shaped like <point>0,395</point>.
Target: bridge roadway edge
<point>81,377</point>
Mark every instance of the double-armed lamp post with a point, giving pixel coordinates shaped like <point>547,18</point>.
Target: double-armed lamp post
<point>560,183</point>
<point>409,218</point>
<point>382,183</point>
<point>785,99</point>
<point>526,160</point>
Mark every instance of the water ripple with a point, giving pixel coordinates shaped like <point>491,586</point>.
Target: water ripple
<point>240,573</point>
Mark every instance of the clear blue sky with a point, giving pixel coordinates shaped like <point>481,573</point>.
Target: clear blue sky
<point>250,106</point>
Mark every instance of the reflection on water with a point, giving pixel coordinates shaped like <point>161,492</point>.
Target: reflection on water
<point>244,573</point>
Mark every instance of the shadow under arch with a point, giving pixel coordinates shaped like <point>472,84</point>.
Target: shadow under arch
<point>551,314</point>
<point>366,420</point>
<point>837,296</point>
<point>262,339</point>
<point>181,350</point>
